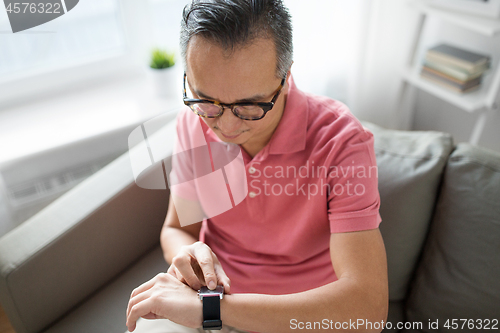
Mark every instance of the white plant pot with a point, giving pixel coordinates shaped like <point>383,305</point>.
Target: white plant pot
<point>165,82</point>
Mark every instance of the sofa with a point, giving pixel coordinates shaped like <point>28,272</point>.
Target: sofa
<point>72,267</point>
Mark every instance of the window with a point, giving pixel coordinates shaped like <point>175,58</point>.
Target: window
<point>97,40</point>
<point>91,31</point>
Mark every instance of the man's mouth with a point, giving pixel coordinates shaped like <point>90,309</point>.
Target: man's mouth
<point>227,136</point>
<point>230,136</point>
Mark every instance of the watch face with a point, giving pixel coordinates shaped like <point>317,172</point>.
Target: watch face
<point>218,291</point>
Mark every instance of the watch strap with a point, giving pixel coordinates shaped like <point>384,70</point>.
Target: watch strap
<point>211,313</point>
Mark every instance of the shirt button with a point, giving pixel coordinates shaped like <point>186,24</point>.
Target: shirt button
<point>252,194</point>
<point>251,170</point>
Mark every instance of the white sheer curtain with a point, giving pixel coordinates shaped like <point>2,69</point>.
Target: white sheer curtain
<point>389,29</point>
<point>353,51</point>
<point>328,46</point>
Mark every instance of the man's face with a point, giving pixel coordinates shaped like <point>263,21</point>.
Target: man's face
<point>247,74</point>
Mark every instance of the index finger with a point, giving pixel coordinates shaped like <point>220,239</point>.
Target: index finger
<point>203,255</point>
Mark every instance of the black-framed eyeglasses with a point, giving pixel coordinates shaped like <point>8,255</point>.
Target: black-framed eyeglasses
<point>245,110</point>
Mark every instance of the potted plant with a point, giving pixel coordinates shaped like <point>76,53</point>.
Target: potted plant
<point>163,73</point>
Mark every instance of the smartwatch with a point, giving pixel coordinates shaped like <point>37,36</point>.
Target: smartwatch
<point>211,307</point>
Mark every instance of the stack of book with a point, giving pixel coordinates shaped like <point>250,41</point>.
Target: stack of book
<point>456,69</point>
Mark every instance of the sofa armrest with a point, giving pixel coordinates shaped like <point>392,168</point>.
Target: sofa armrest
<point>65,253</point>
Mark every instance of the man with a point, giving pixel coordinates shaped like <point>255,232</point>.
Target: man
<point>303,248</point>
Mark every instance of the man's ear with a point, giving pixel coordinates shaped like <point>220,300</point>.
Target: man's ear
<point>288,74</point>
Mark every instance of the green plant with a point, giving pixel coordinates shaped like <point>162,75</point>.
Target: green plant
<point>162,59</point>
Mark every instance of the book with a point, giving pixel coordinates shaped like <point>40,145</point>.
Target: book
<point>472,85</point>
<point>465,85</point>
<point>468,70</point>
<point>453,71</point>
<point>452,88</point>
<point>450,55</point>
<point>447,77</point>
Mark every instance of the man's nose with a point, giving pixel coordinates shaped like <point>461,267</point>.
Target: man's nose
<point>228,122</point>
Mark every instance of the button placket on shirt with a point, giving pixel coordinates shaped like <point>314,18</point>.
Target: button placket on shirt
<point>252,170</point>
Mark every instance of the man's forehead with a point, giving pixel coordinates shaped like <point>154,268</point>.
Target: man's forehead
<point>259,97</point>
<point>248,74</point>
<point>257,58</point>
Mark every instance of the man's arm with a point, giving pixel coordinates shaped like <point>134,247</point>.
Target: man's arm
<point>360,293</point>
<point>191,261</point>
<point>173,237</point>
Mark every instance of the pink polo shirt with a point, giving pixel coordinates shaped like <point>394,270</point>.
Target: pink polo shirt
<point>316,176</point>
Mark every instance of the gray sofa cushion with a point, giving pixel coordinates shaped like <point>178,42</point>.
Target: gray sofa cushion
<point>410,168</point>
<point>105,311</point>
<point>459,276</point>
<point>395,316</point>
<point>76,245</point>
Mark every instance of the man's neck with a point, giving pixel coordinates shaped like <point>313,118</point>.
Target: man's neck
<point>252,150</point>
<point>255,146</point>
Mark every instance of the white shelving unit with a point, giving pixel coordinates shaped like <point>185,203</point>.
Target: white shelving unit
<point>483,101</point>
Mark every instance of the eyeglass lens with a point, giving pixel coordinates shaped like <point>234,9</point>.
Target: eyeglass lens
<point>242,111</point>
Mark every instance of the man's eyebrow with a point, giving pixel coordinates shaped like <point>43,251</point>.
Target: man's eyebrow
<point>255,98</point>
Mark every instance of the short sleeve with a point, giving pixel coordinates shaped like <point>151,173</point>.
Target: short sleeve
<point>353,198</point>
<point>182,173</point>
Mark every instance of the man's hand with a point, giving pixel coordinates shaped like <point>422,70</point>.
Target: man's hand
<point>165,297</point>
<point>196,265</point>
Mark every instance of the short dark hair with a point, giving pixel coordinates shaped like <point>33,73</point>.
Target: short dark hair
<point>235,23</point>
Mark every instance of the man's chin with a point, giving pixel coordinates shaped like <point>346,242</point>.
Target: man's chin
<point>236,141</point>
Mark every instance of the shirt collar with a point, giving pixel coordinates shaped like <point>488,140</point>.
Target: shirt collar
<point>290,135</point>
